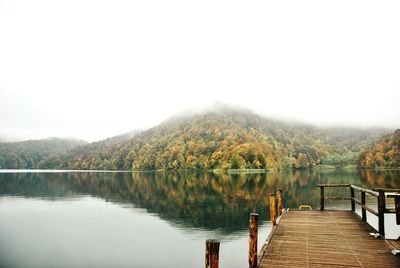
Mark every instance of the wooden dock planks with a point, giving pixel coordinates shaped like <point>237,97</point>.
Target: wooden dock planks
<point>326,239</point>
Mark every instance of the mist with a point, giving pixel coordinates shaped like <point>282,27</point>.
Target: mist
<point>95,69</point>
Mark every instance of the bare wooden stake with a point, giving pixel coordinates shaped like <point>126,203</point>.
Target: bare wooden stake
<point>272,211</point>
<point>280,202</point>
<point>212,253</point>
<point>253,236</point>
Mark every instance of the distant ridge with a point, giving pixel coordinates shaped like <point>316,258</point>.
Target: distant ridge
<point>28,154</point>
<point>223,137</point>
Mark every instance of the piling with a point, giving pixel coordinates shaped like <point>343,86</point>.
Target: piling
<point>253,236</point>
<point>272,211</point>
<point>280,202</point>
<point>212,253</point>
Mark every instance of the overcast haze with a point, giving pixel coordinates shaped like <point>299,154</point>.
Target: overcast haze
<point>94,69</point>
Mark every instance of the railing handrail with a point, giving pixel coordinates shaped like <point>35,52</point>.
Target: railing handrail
<point>373,192</point>
<point>334,185</point>
<point>368,191</point>
<point>379,193</point>
<point>388,190</point>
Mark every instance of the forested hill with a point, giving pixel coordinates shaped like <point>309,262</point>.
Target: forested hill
<point>223,139</point>
<point>97,155</point>
<point>383,154</point>
<point>28,154</point>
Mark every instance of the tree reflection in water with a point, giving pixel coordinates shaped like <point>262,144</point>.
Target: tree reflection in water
<point>193,199</point>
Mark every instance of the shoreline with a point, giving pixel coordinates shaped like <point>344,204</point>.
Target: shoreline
<point>228,171</point>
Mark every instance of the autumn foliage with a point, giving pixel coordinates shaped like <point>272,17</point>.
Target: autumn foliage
<point>383,154</point>
<point>223,139</point>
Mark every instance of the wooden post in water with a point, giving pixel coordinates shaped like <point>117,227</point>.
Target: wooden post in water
<point>381,212</point>
<point>272,210</point>
<point>353,204</point>
<point>253,236</point>
<point>322,197</point>
<point>212,253</point>
<point>363,211</point>
<point>279,202</point>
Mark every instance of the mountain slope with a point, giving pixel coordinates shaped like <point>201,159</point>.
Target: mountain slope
<point>383,154</point>
<point>223,139</point>
<point>97,155</point>
<point>28,154</point>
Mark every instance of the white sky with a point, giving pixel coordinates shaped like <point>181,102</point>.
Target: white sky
<point>94,69</point>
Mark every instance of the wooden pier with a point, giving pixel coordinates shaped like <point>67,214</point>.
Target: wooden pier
<point>326,238</point>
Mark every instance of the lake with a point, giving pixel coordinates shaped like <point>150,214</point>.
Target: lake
<point>152,219</point>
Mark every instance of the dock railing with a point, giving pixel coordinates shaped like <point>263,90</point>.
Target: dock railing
<point>379,193</point>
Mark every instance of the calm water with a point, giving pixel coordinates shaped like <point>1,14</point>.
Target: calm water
<point>100,219</point>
